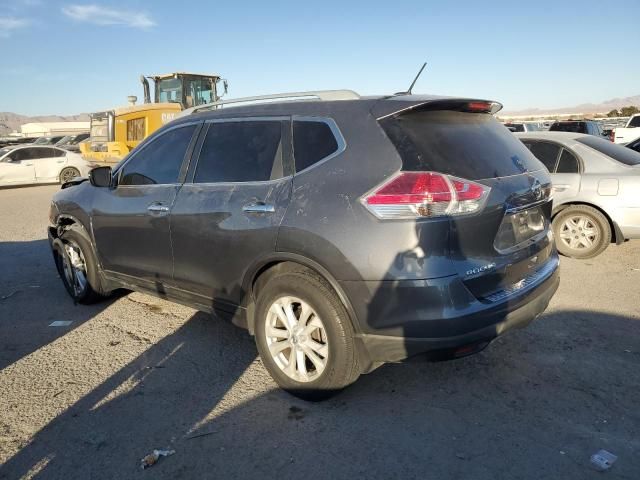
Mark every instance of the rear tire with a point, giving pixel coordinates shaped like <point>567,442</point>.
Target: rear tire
<point>581,232</point>
<point>304,336</point>
<point>67,174</point>
<point>76,264</point>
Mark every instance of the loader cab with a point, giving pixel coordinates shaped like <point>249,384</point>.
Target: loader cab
<point>187,89</point>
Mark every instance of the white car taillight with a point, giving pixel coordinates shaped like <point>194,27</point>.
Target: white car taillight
<point>425,195</point>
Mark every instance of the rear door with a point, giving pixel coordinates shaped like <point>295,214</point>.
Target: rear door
<point>226,216</point>
<point>48,163</point>
<point>566,177</point>
<point>563,165</point>
<point>131,221</point>
<point>17,168</point>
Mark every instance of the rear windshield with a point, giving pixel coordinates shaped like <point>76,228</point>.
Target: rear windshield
<point>515,127</point>
<point>575,127</point>
<point>613,150</point>
<point>466,145</point>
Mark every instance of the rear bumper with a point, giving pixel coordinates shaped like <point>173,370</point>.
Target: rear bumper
<point>455,322</point>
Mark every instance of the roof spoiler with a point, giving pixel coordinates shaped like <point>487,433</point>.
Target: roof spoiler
<point>395,106</point>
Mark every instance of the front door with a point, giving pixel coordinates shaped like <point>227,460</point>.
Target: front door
<point>131,220</point>
<point>17,168</point>
<point>227,214</point>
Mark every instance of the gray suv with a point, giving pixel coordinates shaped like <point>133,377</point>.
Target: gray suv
<point>342,232</point>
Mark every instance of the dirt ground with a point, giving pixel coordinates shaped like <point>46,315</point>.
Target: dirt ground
<point>135,373</point>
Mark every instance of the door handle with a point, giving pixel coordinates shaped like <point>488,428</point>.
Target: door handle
<point>560,188</point>
<point>258,207</point>
<point>158,208</point>
<point>27,164</point>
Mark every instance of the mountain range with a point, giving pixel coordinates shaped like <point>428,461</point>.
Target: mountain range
<point>587,108</point>
<point>10,122</point>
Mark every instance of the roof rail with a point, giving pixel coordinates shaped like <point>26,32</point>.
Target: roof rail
<point>326,95</point>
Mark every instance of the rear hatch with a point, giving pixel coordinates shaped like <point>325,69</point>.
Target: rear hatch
<point>501,242</point>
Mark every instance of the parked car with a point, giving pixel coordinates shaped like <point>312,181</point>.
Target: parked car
<point>48,140</point>
<point>595,188</point>
<point>630,132</point>
<point>341,231</point>
<point>72,142</point>
<point>522,127</point>
<point>588,127</point>
<point>23,165</point>
<point>7,141</point>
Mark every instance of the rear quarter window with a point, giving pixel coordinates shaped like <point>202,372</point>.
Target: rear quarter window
<point>467,145</point>
<point>312,142</point>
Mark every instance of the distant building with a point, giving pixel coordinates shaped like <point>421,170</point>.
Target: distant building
<point>53,128</point>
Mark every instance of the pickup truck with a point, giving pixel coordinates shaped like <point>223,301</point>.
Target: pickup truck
<point>630,132</point>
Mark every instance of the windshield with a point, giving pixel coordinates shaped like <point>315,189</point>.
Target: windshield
<point>42,141</point>
<point>4,151</point>
<point>170,90</point>
<point>612,150</point>
<point>64,140</point>
<point>198,92</point>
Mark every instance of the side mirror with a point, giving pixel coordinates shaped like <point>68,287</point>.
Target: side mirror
<point>100,177</point>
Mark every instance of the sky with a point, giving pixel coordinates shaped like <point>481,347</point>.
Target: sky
<point>67,57</point>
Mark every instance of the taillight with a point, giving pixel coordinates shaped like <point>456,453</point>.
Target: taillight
<point>425,195</point>
<point>612,135</point>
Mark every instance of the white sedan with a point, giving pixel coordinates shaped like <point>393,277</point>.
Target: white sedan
<point>40,164</point>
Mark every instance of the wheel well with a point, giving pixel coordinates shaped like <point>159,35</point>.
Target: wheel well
<point>262,275</point>
<point>614,233</point>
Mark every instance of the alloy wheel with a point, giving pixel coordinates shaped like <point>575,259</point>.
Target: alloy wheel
<point>297,339</point>
<point>68,174</point>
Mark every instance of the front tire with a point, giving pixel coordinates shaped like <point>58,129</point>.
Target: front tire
<point>77,268</point>
<point>581,232</point>
<point>304,336</point>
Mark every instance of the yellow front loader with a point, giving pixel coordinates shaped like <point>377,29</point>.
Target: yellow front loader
<point>114,133</point>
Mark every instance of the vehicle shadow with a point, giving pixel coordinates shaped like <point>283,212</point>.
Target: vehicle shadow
<point>535,404</point>
<point>32,296</point>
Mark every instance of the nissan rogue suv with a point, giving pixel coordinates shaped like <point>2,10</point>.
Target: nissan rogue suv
<point>341,231</point>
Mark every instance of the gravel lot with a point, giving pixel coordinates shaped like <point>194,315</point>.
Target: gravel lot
<point>137,373</point>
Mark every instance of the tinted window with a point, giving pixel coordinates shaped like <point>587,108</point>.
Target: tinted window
<point>634,122</point>
<point>21,154</point>
<point>568,163</point>
<point>635,145</point>
<point>159,162</point>
<point>312,141</point>
<point>467,145</point>
<point>546,152</point>
<point>241,152</point>
<point>32,153</point>
<point>575,127</point>
<point>613,150</point>
<point>56,152</point>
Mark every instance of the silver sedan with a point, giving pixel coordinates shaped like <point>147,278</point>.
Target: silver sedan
<point>596,189</point>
